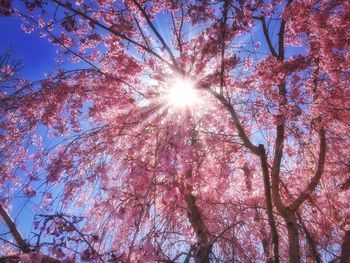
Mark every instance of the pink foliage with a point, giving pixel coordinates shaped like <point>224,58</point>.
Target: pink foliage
<point>255,167</point>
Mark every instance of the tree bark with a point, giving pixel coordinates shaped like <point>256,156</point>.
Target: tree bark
<point>310,240</point>
<point>17,259</point>
<point>21,243</point>
<point>265,240</point>
<point>196,219</point>
<point>268,203</point>
<point>203,248</point>
<point>345,249</point>
<point>293,239</point>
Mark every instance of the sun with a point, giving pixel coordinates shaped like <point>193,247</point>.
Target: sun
<point>181,93</point>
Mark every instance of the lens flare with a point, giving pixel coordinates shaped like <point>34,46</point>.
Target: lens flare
<point>182,94</point>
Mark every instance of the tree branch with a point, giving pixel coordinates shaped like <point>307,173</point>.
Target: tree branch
<point>268,202</point>
<point>267,36</point>
<point>310,240</point>
<point>241,132</point>
<point>159,36</point>
<point>319,171</point>
<point>111,30</point>
<point>278,152</point>
<point>22,244</point>
<point>345,249</point>
<point>223,46</point>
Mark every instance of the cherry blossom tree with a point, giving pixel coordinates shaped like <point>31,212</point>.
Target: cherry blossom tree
<point>186,131</point>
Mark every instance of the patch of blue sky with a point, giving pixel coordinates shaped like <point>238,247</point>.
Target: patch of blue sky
<point>35,53</point>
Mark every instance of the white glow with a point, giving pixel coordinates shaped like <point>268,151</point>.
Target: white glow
<point>182,94</point>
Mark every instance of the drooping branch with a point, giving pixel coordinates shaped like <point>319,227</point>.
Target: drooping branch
<point>260,151</point>
<point>80,234</point>
<point>241,132</point>
<point>113,31</point>
<point>58,40</point>
<point>159,36</point>
<point>178,31</point>
<point>142,33</point>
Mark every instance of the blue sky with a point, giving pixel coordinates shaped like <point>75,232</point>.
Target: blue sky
<point>37,54</point>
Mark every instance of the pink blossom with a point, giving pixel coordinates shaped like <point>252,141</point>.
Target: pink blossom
<point>41,22</point>
<point>248,62</point>
<point>7,69</point>
<point>27,28</point>
<point>29,191</point>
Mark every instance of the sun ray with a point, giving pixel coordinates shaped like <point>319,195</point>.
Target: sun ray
<point>182,94</point>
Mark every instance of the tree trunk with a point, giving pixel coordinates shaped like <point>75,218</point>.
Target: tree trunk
<point>310,240</point>
<point>195,217</point>
<point>268,202</point>
<point>293,239</point>
<point>345,249</point>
